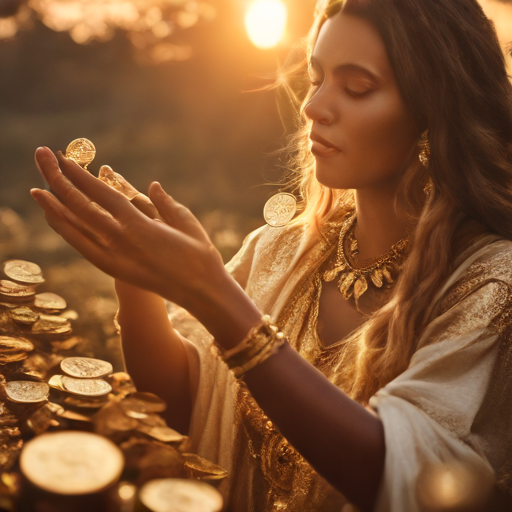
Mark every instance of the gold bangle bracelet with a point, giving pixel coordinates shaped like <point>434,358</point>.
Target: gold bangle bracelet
<point>263,341</point>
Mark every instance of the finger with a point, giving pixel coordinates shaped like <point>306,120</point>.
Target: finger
<point>117,182</point>
<point>50,203</point>
<point>91,214</point>
<point>46,164</point>
<point>74,237</point>
<point>175,214</point>
<point>99,192</point>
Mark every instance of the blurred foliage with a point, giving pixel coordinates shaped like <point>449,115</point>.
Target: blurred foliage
<point>186,124</point>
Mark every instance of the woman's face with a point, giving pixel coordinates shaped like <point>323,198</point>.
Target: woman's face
<point>362,134</point>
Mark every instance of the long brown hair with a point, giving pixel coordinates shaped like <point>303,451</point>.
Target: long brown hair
<point>452,76</point>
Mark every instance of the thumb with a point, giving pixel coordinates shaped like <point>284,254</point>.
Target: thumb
<point>175,214</point>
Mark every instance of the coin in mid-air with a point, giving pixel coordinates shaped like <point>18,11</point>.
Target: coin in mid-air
<point>23,272</point>
<point>15,291</point>
<point>86,367</point>
<point>280,209</point>
<point>81,151</point>
<point>177,495</point>
<point>49,301</point>
<point>85,387</point>
<point>27,392</point>
<point>71,462</point>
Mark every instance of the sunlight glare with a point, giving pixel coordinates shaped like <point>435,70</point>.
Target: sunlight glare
<point>265,22</point>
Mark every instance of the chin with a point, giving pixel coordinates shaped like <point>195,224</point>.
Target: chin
<point>333,178</point>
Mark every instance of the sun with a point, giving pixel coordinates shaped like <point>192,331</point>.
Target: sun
<point>265,22</point>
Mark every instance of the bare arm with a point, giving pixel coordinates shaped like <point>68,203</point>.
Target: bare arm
<point>343,441</point>
<point>156,357</point>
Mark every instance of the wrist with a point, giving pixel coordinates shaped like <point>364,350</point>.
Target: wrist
<point>225,310</point>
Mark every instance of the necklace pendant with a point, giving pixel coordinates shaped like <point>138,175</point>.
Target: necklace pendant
<point>387,275</point>
<point>360,287</point>
<point>377,277</point>
<point>345,284</point>
<point>330,275</point>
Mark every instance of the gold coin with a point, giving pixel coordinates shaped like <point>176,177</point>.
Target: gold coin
<point>24,315</point>
<point>66,344</point>
<point>122,384</point>
<point>144,403</point>
<point>49,301</point>
<point>45,417</point>
<point>203,468</point>
<point>81,151</point>
<point>23,272</point>
<point>27,392</point>
<point>15,291</point>
<point>71,462</point>
<point>85,387</point>
<point>14,349</point>
<point>85,367</point>
<point>85,403</point>
<point>56,382</point>
<point>280,209</point>
<point>177,495</point>
<point>49,324</point>
<point>161,433</point>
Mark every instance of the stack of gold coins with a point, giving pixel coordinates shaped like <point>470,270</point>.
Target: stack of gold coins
<point>47,388</point>
<point>84,377</point>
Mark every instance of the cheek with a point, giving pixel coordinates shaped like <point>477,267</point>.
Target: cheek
<point>381,133</point>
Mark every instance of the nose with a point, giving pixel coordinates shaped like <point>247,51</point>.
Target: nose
<point>318,109</point>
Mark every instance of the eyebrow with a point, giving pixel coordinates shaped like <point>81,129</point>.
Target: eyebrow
<point>343,68</point>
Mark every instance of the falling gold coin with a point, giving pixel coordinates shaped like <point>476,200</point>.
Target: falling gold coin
<point>15,291</point>
<point>81,151</point>
<point>71,462</point>
<point>177,495</point>
<point>86,387</point>
<point>85,367</point>
<point>280,209</point>
<point>27,392</point>
<point>23,272</point>
<point>49,301</point>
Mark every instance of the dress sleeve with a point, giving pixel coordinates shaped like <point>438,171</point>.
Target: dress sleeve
<point>213,416</point>
<point>453,404</point>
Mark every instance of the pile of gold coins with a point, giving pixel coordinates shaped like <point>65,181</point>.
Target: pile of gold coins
<point>73,434</point>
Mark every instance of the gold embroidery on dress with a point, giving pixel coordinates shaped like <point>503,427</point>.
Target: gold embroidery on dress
<point>293,485</point>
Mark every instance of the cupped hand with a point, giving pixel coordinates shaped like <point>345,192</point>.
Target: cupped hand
<point>174,258</point>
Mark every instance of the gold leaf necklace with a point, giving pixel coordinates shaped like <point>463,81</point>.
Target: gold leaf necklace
<point>354,278</point>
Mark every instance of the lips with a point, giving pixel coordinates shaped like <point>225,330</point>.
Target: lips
<point>321,147</point>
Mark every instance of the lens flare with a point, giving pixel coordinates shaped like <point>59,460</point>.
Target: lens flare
<point>265,22</point>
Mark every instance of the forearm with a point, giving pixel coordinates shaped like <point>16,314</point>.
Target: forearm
<point>342,440</point>
<point>154,354</point>
<point>338,436</point>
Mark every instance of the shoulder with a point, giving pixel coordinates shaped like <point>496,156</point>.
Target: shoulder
<point>487,269</point>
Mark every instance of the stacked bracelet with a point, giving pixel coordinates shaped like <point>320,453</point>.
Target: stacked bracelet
<point>263,341</point>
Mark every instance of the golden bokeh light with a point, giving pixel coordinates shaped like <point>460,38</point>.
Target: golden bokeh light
<point>265,22</point>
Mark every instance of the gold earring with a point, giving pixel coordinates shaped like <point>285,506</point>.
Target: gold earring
<point>425,149</point>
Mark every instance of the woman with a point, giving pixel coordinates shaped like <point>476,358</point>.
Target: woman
<point>408,366</point>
